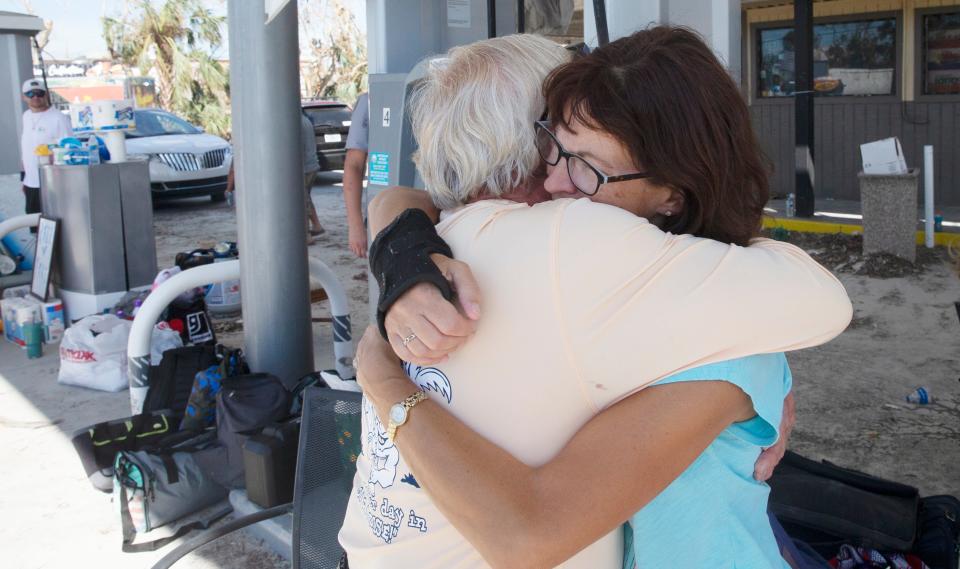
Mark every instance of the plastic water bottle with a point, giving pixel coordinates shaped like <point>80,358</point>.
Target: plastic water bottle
<point>33,338</point>
<point>791,207</point>
<point>919,396</point>
<point>93,147</point>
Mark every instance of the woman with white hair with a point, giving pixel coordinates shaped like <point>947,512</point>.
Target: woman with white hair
<point>533,442</point>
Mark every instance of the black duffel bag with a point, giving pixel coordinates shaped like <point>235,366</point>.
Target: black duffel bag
<point>98,445</point>
<point>826,505</point>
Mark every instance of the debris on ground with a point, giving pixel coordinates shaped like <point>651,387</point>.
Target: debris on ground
<point>227,325</point>
<point>843,253</point>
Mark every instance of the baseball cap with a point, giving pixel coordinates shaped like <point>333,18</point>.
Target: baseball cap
<point>31,84</point>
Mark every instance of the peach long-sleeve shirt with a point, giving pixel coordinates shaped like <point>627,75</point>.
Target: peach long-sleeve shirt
<point>584,304</point>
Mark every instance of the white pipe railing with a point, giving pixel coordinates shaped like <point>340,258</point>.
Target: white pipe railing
<point>340,313</point>
<point>138,345</point>
<point>18,222</point>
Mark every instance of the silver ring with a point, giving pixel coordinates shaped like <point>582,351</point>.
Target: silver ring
<point>409,339</point>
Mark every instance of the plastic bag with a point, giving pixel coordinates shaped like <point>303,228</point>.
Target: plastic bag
<point>164,338</point>
<point>93,353</point>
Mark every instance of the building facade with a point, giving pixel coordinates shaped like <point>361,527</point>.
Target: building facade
<point>882,68</point>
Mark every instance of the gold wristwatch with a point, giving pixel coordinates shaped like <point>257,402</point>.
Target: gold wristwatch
<point>401,411</point>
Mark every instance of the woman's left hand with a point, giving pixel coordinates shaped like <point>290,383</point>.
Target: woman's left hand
<point>771,457</point>
<point>379,370</point>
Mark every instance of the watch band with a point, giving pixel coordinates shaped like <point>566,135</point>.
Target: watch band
<point>407,404</point>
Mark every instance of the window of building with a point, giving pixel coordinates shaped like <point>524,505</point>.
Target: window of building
<point>849,58</point>
<point>941,54</point>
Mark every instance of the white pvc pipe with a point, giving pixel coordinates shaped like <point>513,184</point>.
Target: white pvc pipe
<point>340,311</point>
<point>18,222</point>
<point>138,345</point>
<point>928,194</point>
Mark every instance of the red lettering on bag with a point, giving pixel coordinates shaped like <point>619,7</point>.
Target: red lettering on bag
<point>79,356</point>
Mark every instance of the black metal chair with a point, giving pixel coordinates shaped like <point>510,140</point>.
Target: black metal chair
<point>326,463</point>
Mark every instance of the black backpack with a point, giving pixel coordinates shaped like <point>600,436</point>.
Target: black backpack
<point>939,541</point>
<point>192,320</point>
<point>171,381</point>
<point>245,405</point>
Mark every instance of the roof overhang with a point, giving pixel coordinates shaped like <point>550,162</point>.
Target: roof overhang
<point>16,23</point>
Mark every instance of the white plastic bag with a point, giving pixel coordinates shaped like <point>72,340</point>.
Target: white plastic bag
<point>93,353</point>
<point>164,338</point>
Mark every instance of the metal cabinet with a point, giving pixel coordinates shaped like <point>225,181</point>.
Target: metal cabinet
<point>106,242</point>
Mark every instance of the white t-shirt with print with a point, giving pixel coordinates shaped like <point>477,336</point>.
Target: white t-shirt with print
<point>46,127</point>
<point>583,304</point>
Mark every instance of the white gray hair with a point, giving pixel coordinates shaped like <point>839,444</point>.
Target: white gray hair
<point>473,113</point>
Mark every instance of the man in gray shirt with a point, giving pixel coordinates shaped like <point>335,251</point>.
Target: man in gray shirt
<point>310,168</point>
<point>354,167</point>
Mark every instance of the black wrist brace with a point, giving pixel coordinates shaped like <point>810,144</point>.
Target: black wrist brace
<point>400,259</point>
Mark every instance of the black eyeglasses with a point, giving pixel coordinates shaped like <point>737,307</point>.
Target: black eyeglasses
<point>36,93</point>
<point>586,177</point>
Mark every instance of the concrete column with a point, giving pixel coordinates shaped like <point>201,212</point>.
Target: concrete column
<point>718,21</point>
<point>264,86</point>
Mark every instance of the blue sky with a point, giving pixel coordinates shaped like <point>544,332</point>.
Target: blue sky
<point>77,29</point>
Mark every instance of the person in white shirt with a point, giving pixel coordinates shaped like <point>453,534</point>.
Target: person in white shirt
<point>42,124</point>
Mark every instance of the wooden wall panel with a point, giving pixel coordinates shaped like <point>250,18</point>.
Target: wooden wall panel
<point>840,129</point>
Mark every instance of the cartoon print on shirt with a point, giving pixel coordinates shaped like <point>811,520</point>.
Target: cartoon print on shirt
<point>430,379</point>
<point>384,518</point>
<point>384,455</point>
<point>416,521</point>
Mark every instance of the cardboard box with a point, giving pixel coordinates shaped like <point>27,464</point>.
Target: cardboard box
<point>883,157</point>
<point>54,322</point>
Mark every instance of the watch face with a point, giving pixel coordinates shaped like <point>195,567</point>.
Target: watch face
<point>398,414</point>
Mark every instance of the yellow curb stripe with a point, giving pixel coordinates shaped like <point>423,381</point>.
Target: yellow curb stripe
<point>941,239</point>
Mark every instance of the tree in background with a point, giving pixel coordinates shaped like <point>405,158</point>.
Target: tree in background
<point>337,57</point>
<point>42,38</point>
<point>174,43</point>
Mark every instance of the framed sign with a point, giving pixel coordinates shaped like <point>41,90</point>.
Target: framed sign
<point>43,257</point>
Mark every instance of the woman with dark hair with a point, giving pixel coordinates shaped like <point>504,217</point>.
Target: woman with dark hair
<point>578,402</point>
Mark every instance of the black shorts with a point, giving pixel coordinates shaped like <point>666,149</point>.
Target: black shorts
<point>32,196</point>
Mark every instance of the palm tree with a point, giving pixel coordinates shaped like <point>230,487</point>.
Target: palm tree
<point>338,66</point>
<point>174,43</point>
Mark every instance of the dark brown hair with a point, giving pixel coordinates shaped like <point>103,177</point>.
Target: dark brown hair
<point>664,95</point>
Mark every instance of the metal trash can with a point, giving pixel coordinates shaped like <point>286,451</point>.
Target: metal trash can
<point>889,207</point>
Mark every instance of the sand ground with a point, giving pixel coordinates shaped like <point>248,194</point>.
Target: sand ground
<point>850,396</point>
